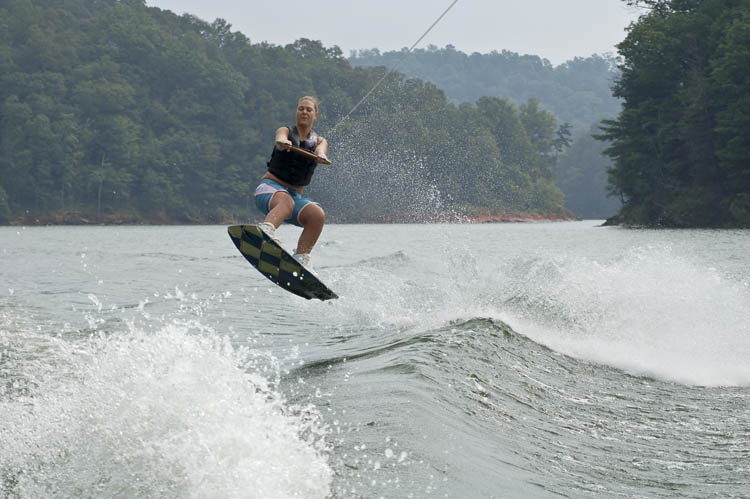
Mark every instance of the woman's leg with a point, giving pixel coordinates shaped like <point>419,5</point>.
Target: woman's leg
<point>280,208</point>
<point>312,218</point>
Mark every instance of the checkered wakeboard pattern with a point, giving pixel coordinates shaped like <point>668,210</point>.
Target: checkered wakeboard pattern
<point>279,266</point>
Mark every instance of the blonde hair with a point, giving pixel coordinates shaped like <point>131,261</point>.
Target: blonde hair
<point>310,98</point>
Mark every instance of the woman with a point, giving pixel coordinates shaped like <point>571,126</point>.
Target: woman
<point>279,194</point>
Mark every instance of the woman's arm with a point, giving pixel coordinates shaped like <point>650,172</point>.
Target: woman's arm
<point>282,135</point>
<point>322,149</point>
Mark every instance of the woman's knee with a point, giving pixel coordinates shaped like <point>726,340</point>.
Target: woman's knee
<point>312,214</point>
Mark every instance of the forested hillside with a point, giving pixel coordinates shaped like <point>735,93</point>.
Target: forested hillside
<point>111,107</point>
<point>681,145</point>
<point>578,92</point>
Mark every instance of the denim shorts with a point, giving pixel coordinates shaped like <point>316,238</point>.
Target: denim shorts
<point>265,191</point>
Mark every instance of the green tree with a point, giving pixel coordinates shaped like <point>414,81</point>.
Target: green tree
<point>5,213</point>
<point>111,106</point>
<point>577,91</point>
<point>678,143</point>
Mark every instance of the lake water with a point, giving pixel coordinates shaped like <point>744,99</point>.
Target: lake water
<point>461,361</point>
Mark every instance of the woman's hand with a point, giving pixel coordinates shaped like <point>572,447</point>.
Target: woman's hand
<point>282,139</point>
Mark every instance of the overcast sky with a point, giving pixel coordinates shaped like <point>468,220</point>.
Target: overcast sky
<point>557,30</point>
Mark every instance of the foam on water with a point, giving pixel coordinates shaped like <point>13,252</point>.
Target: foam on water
<point>652,312</point>
<point>419,389</point>
<point>178,412</point>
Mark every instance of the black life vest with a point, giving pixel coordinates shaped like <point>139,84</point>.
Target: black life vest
<point>292,168</point>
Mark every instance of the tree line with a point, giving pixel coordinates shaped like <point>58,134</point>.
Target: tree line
<point>111,106</point>
<point>681,144</point>
<point>578,92</point>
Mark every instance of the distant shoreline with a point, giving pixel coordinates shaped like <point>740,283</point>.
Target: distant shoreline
<point>160,218</point>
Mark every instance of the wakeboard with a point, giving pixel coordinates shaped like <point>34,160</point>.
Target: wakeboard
<point>276,264</point>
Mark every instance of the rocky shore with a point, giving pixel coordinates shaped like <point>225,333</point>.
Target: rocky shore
<point>161,218</point>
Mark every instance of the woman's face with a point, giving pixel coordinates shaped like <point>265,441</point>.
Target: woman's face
<point>306,112</point>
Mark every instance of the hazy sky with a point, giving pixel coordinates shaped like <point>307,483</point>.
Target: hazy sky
<point>554,29</point>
